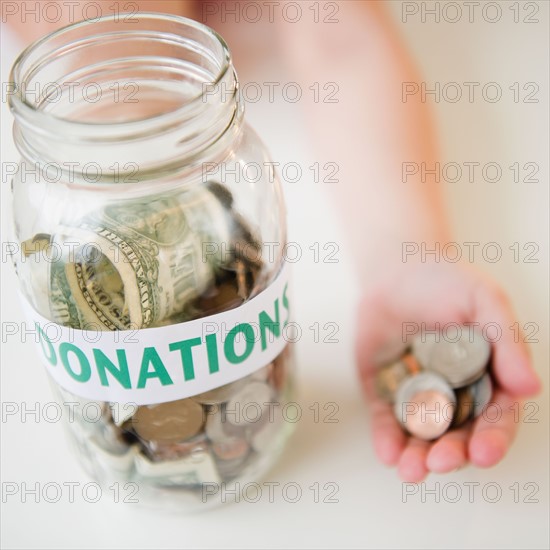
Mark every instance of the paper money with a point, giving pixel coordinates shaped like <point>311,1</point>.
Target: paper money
<point>134,264</point>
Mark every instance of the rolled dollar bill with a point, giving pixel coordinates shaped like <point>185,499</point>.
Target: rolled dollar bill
<point>136,263</point>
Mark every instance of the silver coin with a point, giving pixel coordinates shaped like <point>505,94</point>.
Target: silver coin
<point>217,428</point>
<point>425,405</point>
<point>464,406</point>
<point>221,394</point>
<point>461,362</point>
<point>482,392</point>
<point>250,404</point>
<point>422,346</point>
<point>161,451</point>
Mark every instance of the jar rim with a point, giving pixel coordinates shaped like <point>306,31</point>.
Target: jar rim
<point>25,111</point>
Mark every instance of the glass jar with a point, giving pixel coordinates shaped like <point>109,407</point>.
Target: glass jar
<point>150,228</point>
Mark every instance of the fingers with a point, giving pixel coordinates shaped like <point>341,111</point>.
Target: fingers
<point>493,431</point>
<point>449,452</point>
<point>412,463</point>
<point>389,440</point>
<point>512,365</point>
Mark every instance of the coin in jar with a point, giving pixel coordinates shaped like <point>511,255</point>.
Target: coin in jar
<point>168,422</point>
<point>249,405</point>
<point>231,448</point>
<point>221,394</point>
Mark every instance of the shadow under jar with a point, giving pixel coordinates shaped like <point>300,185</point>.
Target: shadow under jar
<point>150,260</point>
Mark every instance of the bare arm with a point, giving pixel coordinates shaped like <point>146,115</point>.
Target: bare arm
<point>32,24</point>
<point>370,132</point>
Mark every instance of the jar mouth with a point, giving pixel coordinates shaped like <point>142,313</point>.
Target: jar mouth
<point>56,54</point>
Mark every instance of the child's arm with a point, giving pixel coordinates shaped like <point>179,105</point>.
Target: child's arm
<point>370,133</point>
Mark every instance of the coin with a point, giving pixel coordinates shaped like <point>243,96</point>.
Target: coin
<point>217,427</point>
<point>482,391</point>
<point>221,394</point>
<point>425,405</point>
<point>221,297</point>
<point>249,404</point>
<point>168,422</point>
<point>231,448</point>
<point>160,451</point>
<point>472,399</point>
<point>389,378</point>
<point>460,362</point>
<point>464,406</point>
<point>422,346</point>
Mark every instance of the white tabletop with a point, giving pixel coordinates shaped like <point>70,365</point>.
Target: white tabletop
<point>348,500</point>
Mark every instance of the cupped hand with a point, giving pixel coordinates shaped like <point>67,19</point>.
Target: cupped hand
<point>431,296</point>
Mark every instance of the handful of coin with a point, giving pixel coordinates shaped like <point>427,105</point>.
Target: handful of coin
<point>438,384</point>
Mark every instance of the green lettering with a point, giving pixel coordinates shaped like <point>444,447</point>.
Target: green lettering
<point>229,344</point>
<point>212,350</point>
<point>85,370</point>
<point>151,357</point>
<point>184,347</point>
<point>120,372</point>
<point>266,322</point>
<point>51,357</point>
<point>286,305</point>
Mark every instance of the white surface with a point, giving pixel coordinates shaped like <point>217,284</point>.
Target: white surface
<point>370,512</point>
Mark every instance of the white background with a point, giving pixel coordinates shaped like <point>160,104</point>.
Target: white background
<point>370,512</point>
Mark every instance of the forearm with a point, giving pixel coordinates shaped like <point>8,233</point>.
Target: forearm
<point>370,133</point>
<point>33,20</point>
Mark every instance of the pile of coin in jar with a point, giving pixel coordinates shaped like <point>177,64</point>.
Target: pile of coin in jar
<point>216,436</point>
<point>438,384</point>
<point>212,437</point>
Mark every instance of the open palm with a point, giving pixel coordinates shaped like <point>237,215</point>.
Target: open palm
<point>433,295</point>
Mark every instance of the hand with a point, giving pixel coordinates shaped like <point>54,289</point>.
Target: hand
<point>430,294</point>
